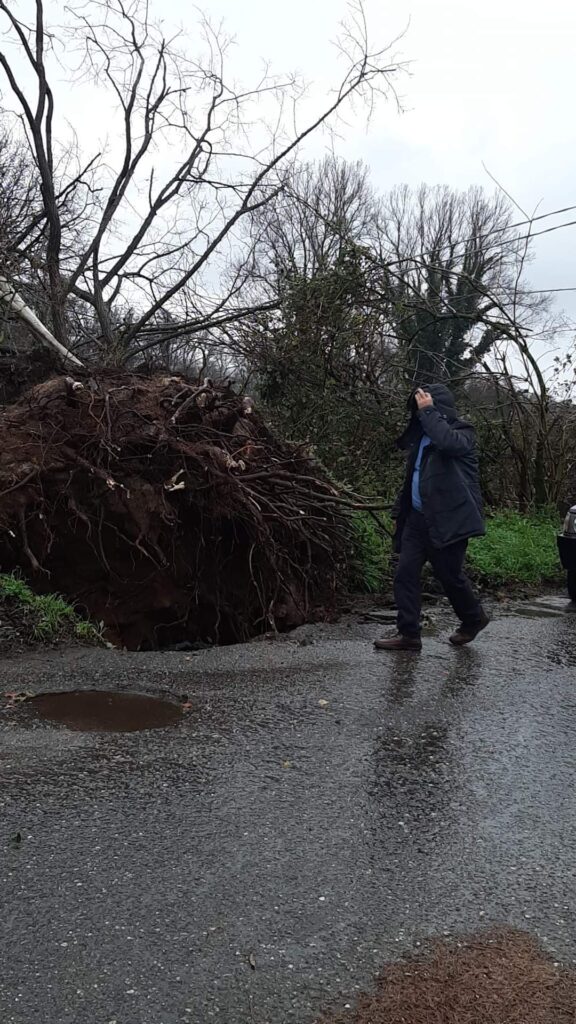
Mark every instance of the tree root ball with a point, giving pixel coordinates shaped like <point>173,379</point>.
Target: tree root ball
<point>166,509</point>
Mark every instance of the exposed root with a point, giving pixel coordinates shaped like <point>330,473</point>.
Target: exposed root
<point>166,508</point>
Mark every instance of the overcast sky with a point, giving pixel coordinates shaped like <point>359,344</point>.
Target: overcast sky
<point>491,82</point>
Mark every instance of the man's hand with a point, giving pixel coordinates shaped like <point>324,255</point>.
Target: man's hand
<point>424,400</point>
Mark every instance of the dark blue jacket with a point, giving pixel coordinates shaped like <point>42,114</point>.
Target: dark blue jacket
<point>449,483</point>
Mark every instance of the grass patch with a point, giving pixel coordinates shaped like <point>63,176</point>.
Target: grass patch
<point>518,549</point>
<point>43,618</point>
<point>370,564</point>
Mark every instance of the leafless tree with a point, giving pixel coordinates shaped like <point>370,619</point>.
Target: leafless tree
<point>453,273</point>
<point>443,263</point>
<point>18,195</point>
<point>159,220</point>
<point>375,293</point>
<point>530,412</point>
<point>312,249</point>
<point>322,208</point>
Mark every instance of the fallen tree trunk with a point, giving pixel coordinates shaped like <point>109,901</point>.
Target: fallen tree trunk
<point>15,303</point>
<point>166,509</point>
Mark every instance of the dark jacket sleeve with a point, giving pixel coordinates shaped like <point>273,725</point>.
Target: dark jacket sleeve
<point>443,436</point>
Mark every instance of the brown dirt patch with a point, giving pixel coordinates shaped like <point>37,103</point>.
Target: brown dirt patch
<point>500,977</point>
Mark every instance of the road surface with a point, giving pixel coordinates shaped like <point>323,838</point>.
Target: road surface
<point>319,810</point>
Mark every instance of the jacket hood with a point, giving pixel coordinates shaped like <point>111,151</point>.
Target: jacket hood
<point>444,402</point>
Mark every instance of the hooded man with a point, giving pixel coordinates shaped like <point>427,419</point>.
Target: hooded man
<point>438,509</point>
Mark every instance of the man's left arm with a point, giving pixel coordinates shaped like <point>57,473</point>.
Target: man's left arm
<point>443,436</point>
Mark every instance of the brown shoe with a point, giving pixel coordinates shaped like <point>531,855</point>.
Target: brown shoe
<point>399,643</point>
<point>466,634</point>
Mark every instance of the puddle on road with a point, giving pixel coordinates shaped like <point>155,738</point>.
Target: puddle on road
<point>542,608</point>
<point>530,612</point>
<point>105,711</point>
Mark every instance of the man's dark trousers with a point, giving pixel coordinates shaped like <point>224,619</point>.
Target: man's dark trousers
<point>448,565</point>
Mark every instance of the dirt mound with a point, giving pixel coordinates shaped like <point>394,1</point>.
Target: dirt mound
<point>166,509</point>
<point>498,978</point>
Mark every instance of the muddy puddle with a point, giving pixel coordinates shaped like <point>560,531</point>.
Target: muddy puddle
<point>104,711</point>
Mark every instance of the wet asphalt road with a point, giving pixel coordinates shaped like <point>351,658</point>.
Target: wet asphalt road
<point>321,809</point>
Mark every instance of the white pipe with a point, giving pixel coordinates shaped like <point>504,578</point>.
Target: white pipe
<point>10,296</point>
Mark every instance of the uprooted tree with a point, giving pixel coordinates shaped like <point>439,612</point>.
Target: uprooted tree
<point>167,509</point>
<point>164,508</point>
<point>136,240</point>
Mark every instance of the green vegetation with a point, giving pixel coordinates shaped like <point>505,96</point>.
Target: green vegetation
<point>517,549</point>
<point>47,617</point>
<point>371,558</point>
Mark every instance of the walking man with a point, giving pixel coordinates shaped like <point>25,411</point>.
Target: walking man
<point>438,509</point>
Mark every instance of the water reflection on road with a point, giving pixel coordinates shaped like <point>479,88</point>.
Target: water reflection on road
<point>322,809</point>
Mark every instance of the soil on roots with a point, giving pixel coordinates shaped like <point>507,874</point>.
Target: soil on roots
<point>166,509</point>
